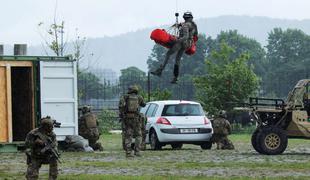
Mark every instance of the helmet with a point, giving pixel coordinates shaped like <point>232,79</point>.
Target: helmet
<point>47,122</point>
<point>133,89</point>
<point>187,15</point>
<point>85,109</point>
<point>223,114</point>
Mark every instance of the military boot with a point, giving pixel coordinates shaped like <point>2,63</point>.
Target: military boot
<point>138,153</point>
<point>129,155</point>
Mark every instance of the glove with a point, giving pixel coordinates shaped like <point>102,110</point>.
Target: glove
<point>39,142</point>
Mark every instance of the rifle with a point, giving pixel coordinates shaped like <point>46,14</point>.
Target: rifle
<point>49,149</point>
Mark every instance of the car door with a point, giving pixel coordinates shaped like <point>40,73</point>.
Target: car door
<point>151,119</point>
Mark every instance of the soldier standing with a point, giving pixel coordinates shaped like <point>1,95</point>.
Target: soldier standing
<point>188,30</point>
<point>88,128</point>
<point>221,129</point>
<point>129,105</point>
<point>43,150</point>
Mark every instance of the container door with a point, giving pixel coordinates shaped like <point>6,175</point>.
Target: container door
<point>58,89</point>
<point>3,106</point>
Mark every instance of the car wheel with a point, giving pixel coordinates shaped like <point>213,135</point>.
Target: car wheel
<point>271,141</point>
<point>155,144</point>
<point>176,146</point>
<point>206,145</point>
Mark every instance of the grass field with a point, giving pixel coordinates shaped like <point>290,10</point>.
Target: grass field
<point>189,163</point>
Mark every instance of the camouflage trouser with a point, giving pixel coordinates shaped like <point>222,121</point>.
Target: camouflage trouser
<point>93,135</point>
<point>143,133</point>
<point>178,48</point>
<point>132,127</point>
<point>35,165</point>
<point>222,142</point>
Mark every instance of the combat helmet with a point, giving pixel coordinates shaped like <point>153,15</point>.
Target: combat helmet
<point>133,89</point>
<point>86,109</point>
<point>46,121</point>
<point>188,15</point>
<point>223,114</point>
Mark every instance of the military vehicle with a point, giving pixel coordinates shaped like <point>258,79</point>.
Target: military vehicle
<point>277,119</point>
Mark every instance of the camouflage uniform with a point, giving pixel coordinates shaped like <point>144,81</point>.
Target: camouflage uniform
<point>88,128</point>
<point>131,123</point>
<point>221,128</point>
<point>143,132</point>
<point>187,31</point>
<point>35,158</point>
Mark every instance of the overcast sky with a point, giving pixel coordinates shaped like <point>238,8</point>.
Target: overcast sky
<point>98,18</point>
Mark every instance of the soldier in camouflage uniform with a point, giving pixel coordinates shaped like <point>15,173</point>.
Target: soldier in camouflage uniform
<point>129,105</point>
<point>187,31</point>
<point>88,128</point>
<point>36,141</point>
<point>221,129</point>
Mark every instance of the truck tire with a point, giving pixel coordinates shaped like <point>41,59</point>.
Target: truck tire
<point>271,141</point>
<point>254,141</point>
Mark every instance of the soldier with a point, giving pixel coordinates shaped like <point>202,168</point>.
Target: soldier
<point>88,128</point>
<point>221,129</point>
<point>129,105</point>
<point>188,30</point>
<point>43,150</point>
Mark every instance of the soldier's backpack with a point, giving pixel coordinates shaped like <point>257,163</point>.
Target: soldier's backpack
<point>132,104</point>
<point>219,127</point>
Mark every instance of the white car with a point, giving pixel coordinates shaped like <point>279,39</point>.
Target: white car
<point>176,122</point>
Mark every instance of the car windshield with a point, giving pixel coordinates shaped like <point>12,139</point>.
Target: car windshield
<point>182,110</point>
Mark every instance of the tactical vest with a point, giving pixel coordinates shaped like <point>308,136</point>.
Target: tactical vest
<point>90,120</point>
<point>219,127</point>
<point>132,104</point>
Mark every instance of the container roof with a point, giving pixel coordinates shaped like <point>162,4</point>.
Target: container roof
<point>35,58</point>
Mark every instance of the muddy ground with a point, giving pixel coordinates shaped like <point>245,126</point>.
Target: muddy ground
<point>190,161</point>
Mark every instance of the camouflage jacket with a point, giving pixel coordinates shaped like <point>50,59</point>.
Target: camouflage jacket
<point>221,126</point>
<point>188,29</point>
<point>122,105</point>
<point>35,134</point>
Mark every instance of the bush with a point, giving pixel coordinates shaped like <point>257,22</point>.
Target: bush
<point>237,128</point>
<point>108,120</point>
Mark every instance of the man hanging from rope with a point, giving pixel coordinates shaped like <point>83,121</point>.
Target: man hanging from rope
<point>187,31</point>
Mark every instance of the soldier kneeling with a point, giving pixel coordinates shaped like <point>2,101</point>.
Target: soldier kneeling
<point>88,128</point>
<point>221,129</point>
<point>43,150</point>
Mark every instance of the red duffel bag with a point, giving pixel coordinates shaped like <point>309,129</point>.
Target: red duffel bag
<point>160,36</point>
<point>192,49</point>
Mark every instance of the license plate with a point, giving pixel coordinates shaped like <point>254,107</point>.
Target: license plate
<point>188,130</point>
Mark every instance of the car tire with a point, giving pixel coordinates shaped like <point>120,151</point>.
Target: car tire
<point>155,144</point>
<point>176,146</point>
<point>271,140</point>
<point>206,145</point>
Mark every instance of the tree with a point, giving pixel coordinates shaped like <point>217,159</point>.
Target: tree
<point>288,56</point>
<point>131,76</point>
<point>241,44</point>
<point>228,79</point>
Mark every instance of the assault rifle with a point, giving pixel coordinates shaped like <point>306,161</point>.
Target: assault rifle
<point>50,151</point>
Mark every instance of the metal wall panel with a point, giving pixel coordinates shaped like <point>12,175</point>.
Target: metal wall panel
<point>58,89</point>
